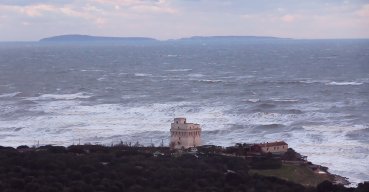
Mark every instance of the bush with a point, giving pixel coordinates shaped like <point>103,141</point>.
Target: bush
<point>265,163</point>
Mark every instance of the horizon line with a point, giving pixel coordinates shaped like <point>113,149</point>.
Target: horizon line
<point>174,39</point>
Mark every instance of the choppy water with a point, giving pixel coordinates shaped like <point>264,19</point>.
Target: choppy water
<point>312,94</point>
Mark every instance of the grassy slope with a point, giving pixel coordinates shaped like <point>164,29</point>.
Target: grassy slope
<point>295,173</point>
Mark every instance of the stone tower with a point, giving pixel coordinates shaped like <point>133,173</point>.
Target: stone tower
<point>184,135</point>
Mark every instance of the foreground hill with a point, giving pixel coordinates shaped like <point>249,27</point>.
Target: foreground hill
<point>97,168</point>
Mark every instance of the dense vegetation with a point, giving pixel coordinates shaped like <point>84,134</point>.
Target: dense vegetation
<point>90,168</point>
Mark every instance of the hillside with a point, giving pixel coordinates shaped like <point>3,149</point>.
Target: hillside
<point>123,168</point>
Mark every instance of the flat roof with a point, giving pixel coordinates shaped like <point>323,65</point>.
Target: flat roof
<point>272,144</point>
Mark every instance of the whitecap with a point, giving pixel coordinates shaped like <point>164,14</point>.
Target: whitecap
<point>309,81</point>
<point>101,79</point>
<point>334,128</point>
<point>132,96</point>
<point>105,120</point>
<point>284,100</point>
<point>332,149</point>
<point>178,70</point>
<point>91,70</point>
<point>196,75</point>
<point>210,81</point>
<point>254,100</point>
<point>60,96</point>
<point>344,83</point>
<point>9,94</point>
<point>142,74</point>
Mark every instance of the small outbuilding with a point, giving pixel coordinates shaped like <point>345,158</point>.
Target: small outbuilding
<point>279,147</point>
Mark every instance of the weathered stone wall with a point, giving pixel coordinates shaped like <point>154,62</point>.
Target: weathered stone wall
<point>274,149</point>
<point>184,135</point>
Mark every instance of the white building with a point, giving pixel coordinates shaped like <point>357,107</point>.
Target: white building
<point>184,135</point>
<point>278,147</point>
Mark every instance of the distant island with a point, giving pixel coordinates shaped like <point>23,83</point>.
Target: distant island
<point>88,38</point>
<point>209,38</point>
<point>194,39</point>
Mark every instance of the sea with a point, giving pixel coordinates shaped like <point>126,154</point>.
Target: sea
<point>312,94</point>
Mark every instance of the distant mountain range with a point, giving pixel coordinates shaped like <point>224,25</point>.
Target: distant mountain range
<point>88,38</point>
<point>207,38</point>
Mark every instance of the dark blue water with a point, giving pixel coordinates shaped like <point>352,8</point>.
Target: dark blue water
<point>312,94</point>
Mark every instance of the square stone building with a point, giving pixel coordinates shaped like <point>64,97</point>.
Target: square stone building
<point>184,135</point>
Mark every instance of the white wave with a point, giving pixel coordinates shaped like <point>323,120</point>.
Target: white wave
<point>344,157</point>
<point>9,94</point>
<point>210,81</point>
<point>178,70</point>
<point>324,146</point>
<point>319,106</point>
<point>60,97</point>
<point>333,128</point>
<point>142,74</point>
<point>253,100</point>
<point>284,100</point>
<point>344,83</point>
<point>133,96</point>
<point>196,75</point>
<point>309,81</point>
<point>66,120</point>
<point>92,70</point>
<point>101,78</point>
<point>266,118</point>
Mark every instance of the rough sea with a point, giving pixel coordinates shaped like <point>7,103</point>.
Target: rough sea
<point>313,94</point>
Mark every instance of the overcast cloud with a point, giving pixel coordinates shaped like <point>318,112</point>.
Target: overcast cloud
<point>165,19</point>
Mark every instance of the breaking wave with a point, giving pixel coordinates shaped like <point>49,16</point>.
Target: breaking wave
<point>210,81</point>
<point>344,83</point>
<point>60,97</point>
<point>10,94</point>
<point>270,126</point>
<point>142,74</point>
<point>178,70</point>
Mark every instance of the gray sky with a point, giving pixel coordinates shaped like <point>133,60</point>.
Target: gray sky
<point>165,19</point>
